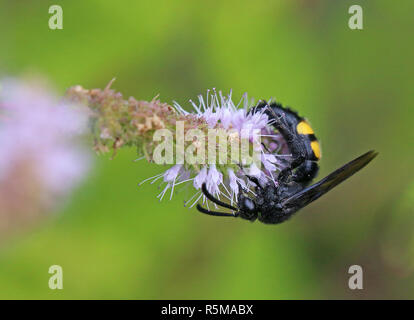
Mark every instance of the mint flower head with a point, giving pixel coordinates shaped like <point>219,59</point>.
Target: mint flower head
<point>238,122</point>
<point>41,160</point>
<point>212,142</point>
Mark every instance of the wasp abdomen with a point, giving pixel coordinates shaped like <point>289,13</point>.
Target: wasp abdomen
<point>300,138</point>
<point>313,147</point>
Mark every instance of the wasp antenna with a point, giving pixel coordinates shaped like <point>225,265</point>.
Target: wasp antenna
<point>214,200</point>
<point>215,213</point>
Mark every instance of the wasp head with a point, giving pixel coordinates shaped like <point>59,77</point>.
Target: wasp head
<point>247,208</point>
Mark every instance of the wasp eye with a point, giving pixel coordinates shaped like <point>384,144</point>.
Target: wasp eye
<point>249,204</point>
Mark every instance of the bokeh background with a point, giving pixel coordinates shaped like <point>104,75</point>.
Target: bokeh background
<point>115,240</point>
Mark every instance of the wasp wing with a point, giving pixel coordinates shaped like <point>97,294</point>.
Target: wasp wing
<point>318,189</point>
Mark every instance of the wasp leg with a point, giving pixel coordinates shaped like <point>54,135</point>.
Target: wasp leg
<point>216,213</point>
<point>216,201</point>
<point>291,137</point>
<point>306,171</point>
<point>254,180</point>
<point>285,175</point>
<point>265,147</point>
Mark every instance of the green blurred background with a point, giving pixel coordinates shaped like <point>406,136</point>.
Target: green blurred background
<point>115,240</point>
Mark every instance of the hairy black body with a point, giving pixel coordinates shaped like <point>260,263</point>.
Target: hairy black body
<point>300,138</point>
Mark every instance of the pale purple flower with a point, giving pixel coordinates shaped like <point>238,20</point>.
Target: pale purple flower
<point>172,173</point>
<point>269,161</point>
<point>40,133</point>
<point>200,178</point>
<point>254,171</point>
<point>214,180</point>
<point>234,183</point>
<point>225,180</point>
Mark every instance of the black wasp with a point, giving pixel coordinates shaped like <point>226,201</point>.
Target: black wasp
<point>275,204</point>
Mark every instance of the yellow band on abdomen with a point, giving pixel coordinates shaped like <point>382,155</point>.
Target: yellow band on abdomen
<point>304,128</point>
<point>316,148</point>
